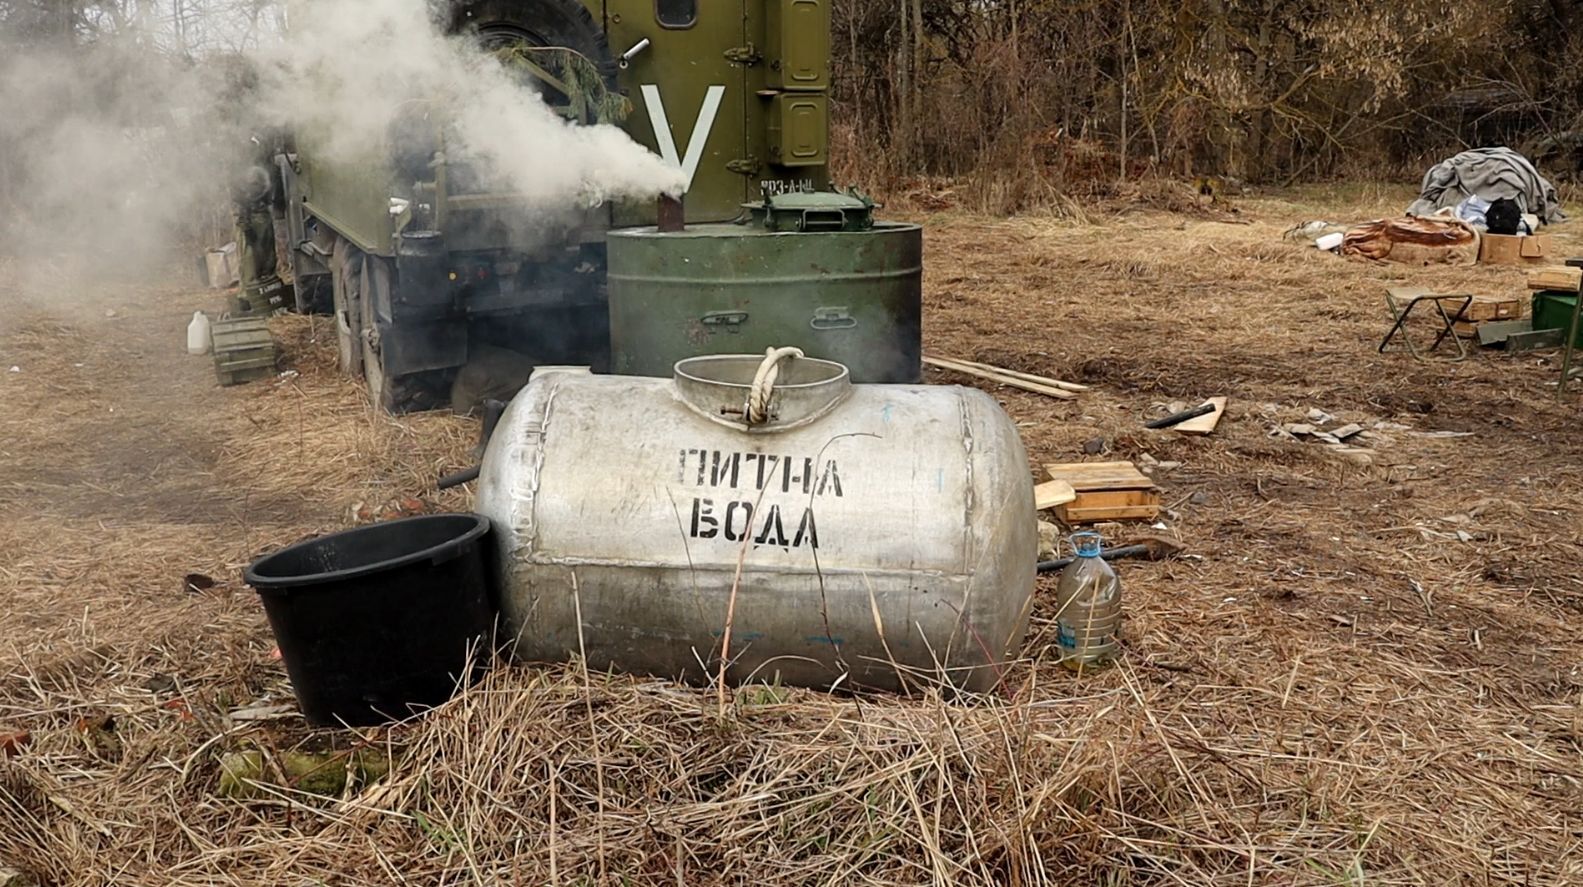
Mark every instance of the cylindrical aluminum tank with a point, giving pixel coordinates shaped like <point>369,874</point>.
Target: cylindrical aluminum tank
<point>871,531</point>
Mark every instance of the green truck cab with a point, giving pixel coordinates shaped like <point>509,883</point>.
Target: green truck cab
<point>444,292</point>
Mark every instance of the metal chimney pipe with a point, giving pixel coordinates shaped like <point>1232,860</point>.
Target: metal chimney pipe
<point>672,214</point>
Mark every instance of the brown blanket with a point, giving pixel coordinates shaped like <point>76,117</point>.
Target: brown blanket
<point>1416,241</point>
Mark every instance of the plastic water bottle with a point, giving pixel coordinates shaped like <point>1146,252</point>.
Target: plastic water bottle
<point>198,334</point>
<point>1088,618</point>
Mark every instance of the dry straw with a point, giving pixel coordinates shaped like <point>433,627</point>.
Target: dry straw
<point>1339,690</point>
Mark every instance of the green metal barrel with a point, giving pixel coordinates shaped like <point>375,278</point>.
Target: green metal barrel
<point>850,296</point>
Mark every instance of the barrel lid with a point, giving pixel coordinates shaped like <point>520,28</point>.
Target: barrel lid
<point>717,386</point>
<point>813,211</point>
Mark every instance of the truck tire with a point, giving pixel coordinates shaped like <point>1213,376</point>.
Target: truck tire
<point>538,23</point>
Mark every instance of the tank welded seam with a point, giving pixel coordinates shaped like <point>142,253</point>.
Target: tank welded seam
<point>969,532</point>
<point>968,555</point>
<point>797,280</point>
<point>540,560</point>
<point>536,474</point>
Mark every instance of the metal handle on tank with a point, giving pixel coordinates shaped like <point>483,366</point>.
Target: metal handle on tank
<point>728,319</point>
<point>761,393</point>
<point>832,319</point>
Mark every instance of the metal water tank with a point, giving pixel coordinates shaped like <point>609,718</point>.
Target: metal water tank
<point>811,270</point>
<point>869,531</point>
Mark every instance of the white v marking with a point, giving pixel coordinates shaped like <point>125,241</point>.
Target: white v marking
<point>701,129</point>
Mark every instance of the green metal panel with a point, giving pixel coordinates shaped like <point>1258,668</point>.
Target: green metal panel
<point>789,32</point>
<point>799,129</point>
<point>848,296</point>
<point>1553,311</point>
<point>685,82</point>
<point>352,197</point>
<point>798,44</point>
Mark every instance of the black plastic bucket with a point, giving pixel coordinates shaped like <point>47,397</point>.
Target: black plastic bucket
<point>380,621</point>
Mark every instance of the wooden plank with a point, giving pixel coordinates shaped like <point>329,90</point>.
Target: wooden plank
<point>1026,377</point>
<point>996,377</point>
<point>1052,493</point>
<point>1100,505</point>
<point>1071,515</point>
<point>1100,475</point>
<point>1061,470</point>
<point>1206,423</point>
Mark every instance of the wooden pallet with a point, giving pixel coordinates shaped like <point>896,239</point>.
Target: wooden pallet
<point>1105,491</point>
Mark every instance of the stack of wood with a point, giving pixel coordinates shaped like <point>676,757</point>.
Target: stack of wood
<point>1010,378</point>
<point>1101,491</point>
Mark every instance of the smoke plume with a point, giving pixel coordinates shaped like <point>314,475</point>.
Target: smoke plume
<point>116,147</point>
<point>358,68</point>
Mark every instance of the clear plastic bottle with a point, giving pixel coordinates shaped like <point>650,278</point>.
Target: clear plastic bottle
<point>1088,618</point>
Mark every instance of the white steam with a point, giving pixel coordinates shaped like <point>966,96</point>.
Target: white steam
<point>356,67</point>
<point>113,146</point>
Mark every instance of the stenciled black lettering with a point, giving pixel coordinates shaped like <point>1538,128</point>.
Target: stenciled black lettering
<point>806,531</point>
<point>705,524</point>
<point>764,465</point>
<point>746,509</point>
<point>772,531</point>
<point>723,468</point>
<point>831,479</point>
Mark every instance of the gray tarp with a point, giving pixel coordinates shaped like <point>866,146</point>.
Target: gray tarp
<point>1489,173</point>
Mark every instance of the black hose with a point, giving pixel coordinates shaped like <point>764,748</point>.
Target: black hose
<point>493,410</point>
<point>1109,554</point>
<point>458,478</point>
<point>1183,416</point>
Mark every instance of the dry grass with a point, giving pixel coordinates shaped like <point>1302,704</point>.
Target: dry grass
<point>1336,690</point>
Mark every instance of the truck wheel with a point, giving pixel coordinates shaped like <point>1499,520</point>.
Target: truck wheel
<point>501,23</point>
<point>391,393</point>
<point>315,294</point>
<point>346,276</point>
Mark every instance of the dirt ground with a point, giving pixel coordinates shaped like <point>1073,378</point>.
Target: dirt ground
<point>1367,670</point>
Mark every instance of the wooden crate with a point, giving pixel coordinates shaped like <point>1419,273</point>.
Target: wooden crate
<point>1487,308</point>
<point>1493,308</point>
<point>1562,278</point>
<point>1106,491</point>
<point>243,350</point>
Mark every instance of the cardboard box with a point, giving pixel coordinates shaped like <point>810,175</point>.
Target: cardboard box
<point>1505,249</point>
<point>221,265</point>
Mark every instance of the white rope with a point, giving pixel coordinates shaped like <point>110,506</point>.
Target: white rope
<point>763,389</point>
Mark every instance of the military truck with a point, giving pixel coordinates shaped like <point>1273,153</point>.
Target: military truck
<point>443,291</point>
